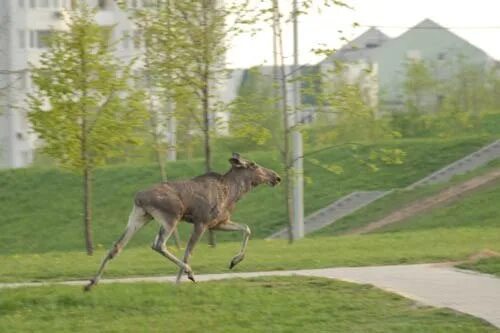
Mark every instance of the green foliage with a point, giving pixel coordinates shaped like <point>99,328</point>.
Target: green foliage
<point>348,105</point>
<point>446,99</point>
<point>418,87</point>
<point>83,107</point>
<point>185,44</point>
<point>270,304</point>
<point>56,193</point>
<point>254,113</point>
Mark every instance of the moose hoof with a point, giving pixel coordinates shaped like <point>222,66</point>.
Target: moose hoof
<point>89,286</point>
<point>189,273</point>
<point>235,261</point>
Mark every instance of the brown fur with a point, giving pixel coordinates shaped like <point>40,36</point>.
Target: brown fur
<point>206,201</point>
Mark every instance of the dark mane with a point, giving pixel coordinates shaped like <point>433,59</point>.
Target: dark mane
<point>209,175</point>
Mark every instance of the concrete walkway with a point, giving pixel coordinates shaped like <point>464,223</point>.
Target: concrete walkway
<point>437,285</point>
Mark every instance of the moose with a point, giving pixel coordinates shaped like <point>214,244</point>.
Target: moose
<point>205,201</point>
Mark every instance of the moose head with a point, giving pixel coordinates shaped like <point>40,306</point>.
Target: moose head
<point>255,173</point>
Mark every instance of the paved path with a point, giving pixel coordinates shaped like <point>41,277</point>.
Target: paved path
<point>437,285</point>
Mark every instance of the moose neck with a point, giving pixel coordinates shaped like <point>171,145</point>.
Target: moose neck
<point>238,185</point>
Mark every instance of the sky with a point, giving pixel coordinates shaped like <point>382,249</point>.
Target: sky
<point>476,21</point>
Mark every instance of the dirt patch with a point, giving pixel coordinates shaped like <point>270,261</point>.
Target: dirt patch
<point>448,195</point>
<point>484,254</point>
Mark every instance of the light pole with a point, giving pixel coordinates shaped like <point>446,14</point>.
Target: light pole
<point>297,148</point>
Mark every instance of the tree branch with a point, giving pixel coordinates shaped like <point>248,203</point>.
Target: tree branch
<point>99,111</point>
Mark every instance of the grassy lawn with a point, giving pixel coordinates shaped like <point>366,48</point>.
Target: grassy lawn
<point>291,304</point>
<point>486,265</point>
<point>436,245</point>
<point>477,210</point>
<point>40,209</point>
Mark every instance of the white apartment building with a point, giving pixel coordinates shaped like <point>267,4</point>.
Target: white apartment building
<point>23,25</point>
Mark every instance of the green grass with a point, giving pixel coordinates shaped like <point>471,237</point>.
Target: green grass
<point>435,245</point>
<point>40,209</point>
<point>486,265</point>
<point>480,209</point>
<point>475,211</point>
<point>284,304</point>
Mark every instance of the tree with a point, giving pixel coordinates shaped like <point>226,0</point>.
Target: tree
<point>84,107</point>
<point>446,98</point>
<point>253,112</point>
<point>203,25</point>
<point>258,104</point>
<point>419,86</point>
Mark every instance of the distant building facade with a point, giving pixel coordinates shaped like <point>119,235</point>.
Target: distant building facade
<point>386,58</point>
<point>23,26</point>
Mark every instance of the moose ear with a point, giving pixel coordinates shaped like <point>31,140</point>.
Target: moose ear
<point>236,161</point>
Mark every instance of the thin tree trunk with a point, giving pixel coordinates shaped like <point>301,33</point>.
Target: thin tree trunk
<point>87,209</point>
<point>208,154</point>
<point>157,146</point>
<point>286,126</point>
<point>205,93</point>
<point>206,130</point>
<point>84,155</point>
<point>206,105</point>
<point>87,189</point>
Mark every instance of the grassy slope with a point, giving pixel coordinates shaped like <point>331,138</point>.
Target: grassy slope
<point>478,210</point>
<point>41,209</point>
<point>297,304</point>
<point>434,245</point>
<point>483,213</point>
<point>487,265</point>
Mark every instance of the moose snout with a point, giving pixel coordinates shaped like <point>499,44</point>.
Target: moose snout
<point>275,180</point>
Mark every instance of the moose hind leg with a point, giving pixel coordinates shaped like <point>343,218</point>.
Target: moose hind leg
<point>168,225</point>
<point>231,226</point>
<point>137,219</point>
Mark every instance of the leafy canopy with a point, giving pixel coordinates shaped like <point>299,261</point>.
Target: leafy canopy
<point>84,107</point>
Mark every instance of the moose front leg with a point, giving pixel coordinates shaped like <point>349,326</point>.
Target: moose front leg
<point>231,226</point>
<point>198,231</point>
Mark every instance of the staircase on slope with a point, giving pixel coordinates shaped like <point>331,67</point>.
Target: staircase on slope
<point>335,211</point>
<point>357,200</point>
<point>463,165</point>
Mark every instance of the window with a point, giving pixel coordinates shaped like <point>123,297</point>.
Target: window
<point>441,56</point>
<point>42,38</point>
<point>20,3</point>
<point>32,39</point>
<point>32,3</point>
<point>39,38</point>
<point>22,39</point>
